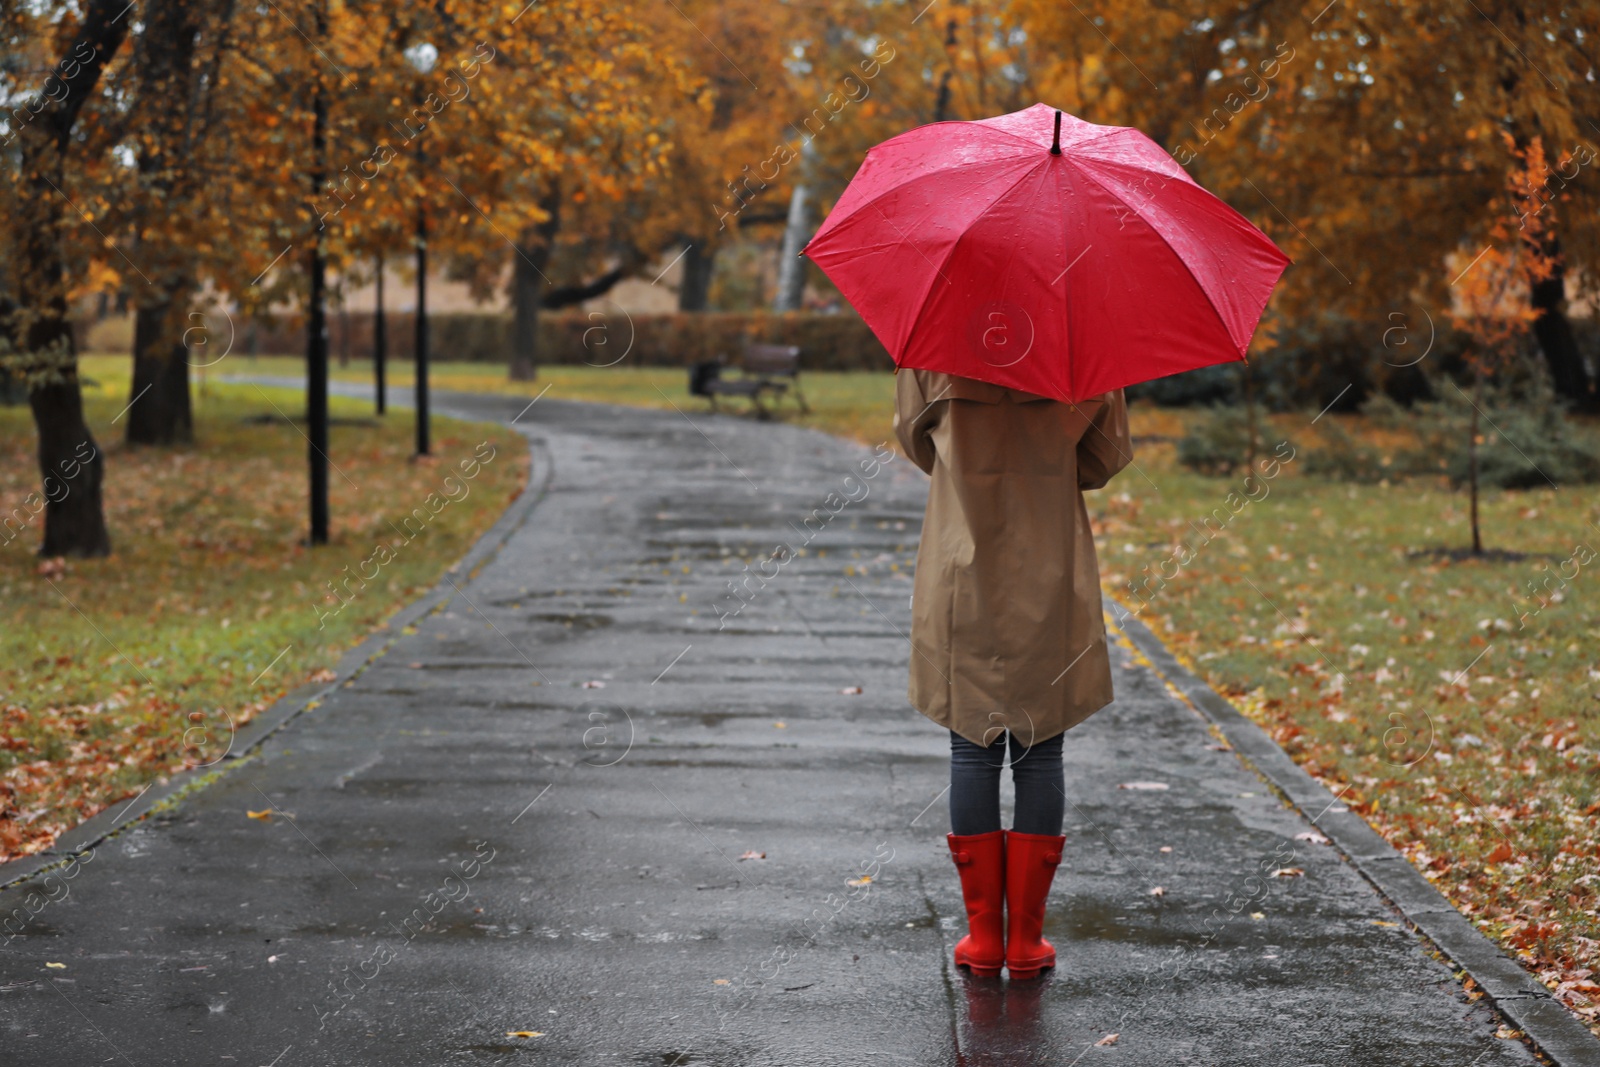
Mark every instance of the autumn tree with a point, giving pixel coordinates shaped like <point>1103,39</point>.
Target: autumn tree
<point>1364,138</point>
<point>567,147</point>
<point>734,141</point>
<point>42,136</point>
<point>176,63</point>
<point>863,73</point>
<point>533,121</point>
<point>1493,302</point>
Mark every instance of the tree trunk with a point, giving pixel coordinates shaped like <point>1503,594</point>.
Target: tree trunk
<point>70,464</point>
<point>941,103</point>
<point>791,269</point>
<point>540,296</point>
<point>168,72</point>
<point>1554,332</point>
<point>160,412</point>
<point>527,293</point>
<point>528,283</point>
<point>1250,418</point>
<point>694,292</point>
<point>1472,462</point>
<point>74,470</point>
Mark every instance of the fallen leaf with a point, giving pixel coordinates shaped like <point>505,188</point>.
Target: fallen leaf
<point>265,815</point>
<point>1312,836</point>
<point>857,883</point>
<point>1107,1041</point>
<point>719,981</point>
<point>1381,922</point>
<point>56,966</point>
<point>1288,872</point>
<point>1144,785</point>
<point>1501,853</point>
<point>753,855</point>
<point>524,1033</point>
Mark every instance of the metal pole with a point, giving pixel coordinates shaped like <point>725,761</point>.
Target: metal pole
<point>380,345</point>
<point>422,314</point>
<point>317,346</point>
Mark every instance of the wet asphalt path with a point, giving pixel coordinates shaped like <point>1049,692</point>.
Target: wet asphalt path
<point>529,816</point>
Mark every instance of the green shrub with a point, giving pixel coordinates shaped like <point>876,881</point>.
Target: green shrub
<point>1218,443</point>
<point>1338,361</point>
<point>1343,457</point>
<point>1205,387</point>
<point>1526,440</point>
<point>1522,445</point>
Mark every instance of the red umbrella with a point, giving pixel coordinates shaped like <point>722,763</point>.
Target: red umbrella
<point>1045,253</point>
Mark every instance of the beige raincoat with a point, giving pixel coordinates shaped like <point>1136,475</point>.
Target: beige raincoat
<point>1006,627</point>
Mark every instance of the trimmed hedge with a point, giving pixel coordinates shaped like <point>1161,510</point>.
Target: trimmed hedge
<point>828,342</point>
<point>1338,359</point>
<point>1348,361</point>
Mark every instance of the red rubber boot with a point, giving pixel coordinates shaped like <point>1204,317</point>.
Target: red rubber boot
<point>981,862</point>
<point>1031,861</point>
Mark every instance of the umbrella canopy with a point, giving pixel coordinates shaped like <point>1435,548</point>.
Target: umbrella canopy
<point>1041,252</point>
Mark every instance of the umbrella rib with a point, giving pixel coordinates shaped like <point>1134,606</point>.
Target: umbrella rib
<point>983,125</point>
<point>1042,174</point>
<point>881,193</point>
<point>938,268</point>
<point>1212,304</point>
<point>1066,303</point>
<point>980,124</point>
<point>1182,175</point>
<point>927,294</point>
<point>1111,131</point>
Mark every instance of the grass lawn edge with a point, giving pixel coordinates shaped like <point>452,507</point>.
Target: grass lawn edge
<point>1559,1034</point>
<point>79,840</point>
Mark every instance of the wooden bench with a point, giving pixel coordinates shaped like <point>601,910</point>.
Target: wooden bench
<point>763,369</point>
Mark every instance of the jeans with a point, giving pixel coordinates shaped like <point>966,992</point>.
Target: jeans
<point>1036,773</point>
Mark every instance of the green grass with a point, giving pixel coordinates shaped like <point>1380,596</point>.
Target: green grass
<point>1457,714</point>
<point>117,671</point>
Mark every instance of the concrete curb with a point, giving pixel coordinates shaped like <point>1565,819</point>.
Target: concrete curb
<point>1556,1032</point>
<point>249,738</point>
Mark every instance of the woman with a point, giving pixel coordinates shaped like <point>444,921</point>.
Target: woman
<point>1007,639</point>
